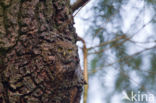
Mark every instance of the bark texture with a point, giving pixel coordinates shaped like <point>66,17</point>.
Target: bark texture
<point>31,68</point>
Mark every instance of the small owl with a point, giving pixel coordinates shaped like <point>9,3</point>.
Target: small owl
<point>66,51</point>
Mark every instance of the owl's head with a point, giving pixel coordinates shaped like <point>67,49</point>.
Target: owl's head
<point>66,51</point>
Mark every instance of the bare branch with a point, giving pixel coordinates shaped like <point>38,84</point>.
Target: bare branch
<point>85,66</point>
<point>78,4</point>
<point>125,58</point>
<point>117,44</point>
<point>108,42</point>
<point>125,39</point>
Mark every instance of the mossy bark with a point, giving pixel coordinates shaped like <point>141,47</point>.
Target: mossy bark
<point>28,67</point>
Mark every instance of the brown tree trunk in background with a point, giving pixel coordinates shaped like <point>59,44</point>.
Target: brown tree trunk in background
<point>39,62</point>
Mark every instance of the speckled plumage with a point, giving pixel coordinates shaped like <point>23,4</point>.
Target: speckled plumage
<point>66,51</point>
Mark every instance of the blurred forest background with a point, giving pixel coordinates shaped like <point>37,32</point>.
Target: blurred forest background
<point>121,42</point>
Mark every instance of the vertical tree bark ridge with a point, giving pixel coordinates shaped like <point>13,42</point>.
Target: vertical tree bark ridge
<point>30,68</point>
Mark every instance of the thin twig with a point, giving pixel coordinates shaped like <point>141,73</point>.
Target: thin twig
<point>145,42</point>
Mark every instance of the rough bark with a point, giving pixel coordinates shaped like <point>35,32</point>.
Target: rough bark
<point>30,69</point>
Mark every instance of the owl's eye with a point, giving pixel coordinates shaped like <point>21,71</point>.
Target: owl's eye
<point>69,50</point>
<point>60,49</point>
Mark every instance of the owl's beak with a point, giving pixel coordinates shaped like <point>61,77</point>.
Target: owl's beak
<point>64,53</point>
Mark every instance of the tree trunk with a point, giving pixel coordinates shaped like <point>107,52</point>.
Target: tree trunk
<point>39,60</point>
